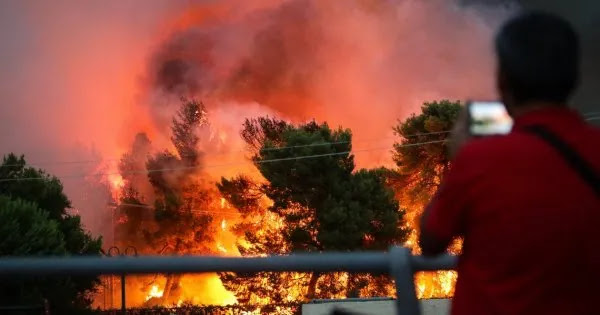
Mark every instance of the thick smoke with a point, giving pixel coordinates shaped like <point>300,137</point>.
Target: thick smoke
<point>360,64</point>
<point>80,79</point>
<point>69,71</point>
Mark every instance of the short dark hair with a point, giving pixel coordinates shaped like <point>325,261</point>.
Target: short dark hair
<point>538,55</point>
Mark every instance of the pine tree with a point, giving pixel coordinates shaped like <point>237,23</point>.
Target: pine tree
<point>420,168</point>
<point>181,200</point>
<point>322,202</point>
<point>191,116</point>
<point>36,211</point>
<point>165,185</point>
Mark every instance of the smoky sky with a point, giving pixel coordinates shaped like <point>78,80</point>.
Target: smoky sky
<point>68,71</point>
<point>78,79</point>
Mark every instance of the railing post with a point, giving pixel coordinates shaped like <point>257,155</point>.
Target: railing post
<point>403,275</point>
<point>123,305</point>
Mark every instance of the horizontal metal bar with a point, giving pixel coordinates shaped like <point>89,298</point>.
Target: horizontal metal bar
<point>353,262</point>
<point>442,262</point>
<point>377,262</point>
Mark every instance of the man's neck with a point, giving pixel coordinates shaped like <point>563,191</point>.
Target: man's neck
<point>527,107</point>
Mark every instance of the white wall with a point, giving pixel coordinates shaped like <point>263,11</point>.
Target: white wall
<point>387,307</point>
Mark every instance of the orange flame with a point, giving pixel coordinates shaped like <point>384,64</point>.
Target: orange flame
<point>221,248</point>
<point>154,292</point>
<point>116,183</point>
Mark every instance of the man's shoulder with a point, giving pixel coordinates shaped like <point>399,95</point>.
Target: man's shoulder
<point>518,145</point>
<point>494,146</point>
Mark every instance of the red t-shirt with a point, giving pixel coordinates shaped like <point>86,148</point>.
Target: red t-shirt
<point>531,224</point>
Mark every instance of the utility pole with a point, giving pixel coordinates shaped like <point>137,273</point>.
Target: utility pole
<point>115,251</point>
<point>110,281</point>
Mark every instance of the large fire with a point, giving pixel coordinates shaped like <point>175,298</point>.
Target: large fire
<point>116,183</point>
<point>347,64</point>
<point>154,292</point>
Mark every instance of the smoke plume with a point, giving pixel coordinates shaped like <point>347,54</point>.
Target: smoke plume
<point>80,79</point>
<point>360,64</point>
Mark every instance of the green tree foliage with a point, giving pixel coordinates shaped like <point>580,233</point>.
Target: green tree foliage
<point>323,203</point>
<point>322,199</point>
<point>46,192</point>
<point>36,211</point>
<point>420,167</point>
<point>27,230</point>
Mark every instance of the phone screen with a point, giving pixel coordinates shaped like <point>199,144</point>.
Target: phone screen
<point>489,118</point>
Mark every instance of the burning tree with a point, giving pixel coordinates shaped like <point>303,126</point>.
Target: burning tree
<point>422,159</point>
<point>421,167</point>
<point>318,201</point>
<point>181,222</point>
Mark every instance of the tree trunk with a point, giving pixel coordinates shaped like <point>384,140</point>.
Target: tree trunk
<point>312,285</point>
<point>172,281</point>
<point>171,285</point>
<point>352,290</point>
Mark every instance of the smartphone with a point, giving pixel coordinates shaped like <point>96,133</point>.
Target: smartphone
<point>487,118</point>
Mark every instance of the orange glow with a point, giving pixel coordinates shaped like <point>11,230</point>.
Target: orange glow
<point>205,289</point>
<point>360,72</point>
<point>221,248</point>
<point>438,284</point>
<point>116,184</point>
<point>154,292</point>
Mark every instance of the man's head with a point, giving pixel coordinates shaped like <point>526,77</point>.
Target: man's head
<point>538,61</point>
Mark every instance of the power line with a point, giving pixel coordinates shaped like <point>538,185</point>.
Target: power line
<point>222,165</point>
<point>187,155</point>
<point>192,211</point>
<point>204,154</point>
<point>589,117</point>
<point>37,164</point>
<point>219,154</point>
<point>192,167</point>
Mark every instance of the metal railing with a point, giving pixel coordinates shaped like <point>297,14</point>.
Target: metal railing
<point>399,263</point>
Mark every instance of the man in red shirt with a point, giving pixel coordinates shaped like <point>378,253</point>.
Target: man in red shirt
<point>529,212</point>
